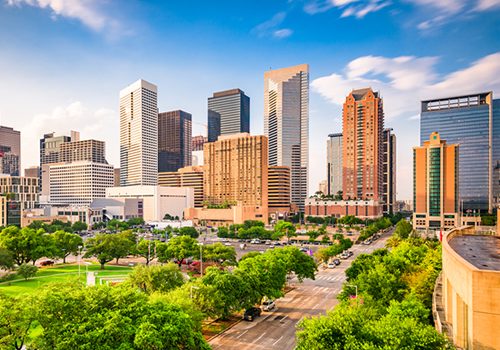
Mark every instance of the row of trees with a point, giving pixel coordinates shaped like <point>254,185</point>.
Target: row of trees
<point>155,308</point>
<point>58,225</point>
<point>374,227</point>
<point>255,229</point>
<point>385,304</point>
<point>341,244</point>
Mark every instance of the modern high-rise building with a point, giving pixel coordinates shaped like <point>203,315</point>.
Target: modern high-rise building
<point>279,192</point>
<point>191,176</point>
<point>389,171</point>
<point>197,142</point>
<point>21,194</point>
<point>334,164</point>
<point>473,122</point>
<point>50,153</point>
<point>228,113</point>
<point>362,145</point>
<point>116,172</point>
<point>10,151</point>
<point>236,170</point>
<point>436,185</point>
<point>85,150</point>
<point>174,140</point>
<point>286,124</point>
<point>139,134</point>
<point>79,182</point>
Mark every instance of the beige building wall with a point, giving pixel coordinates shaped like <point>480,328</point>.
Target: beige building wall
<point>471,297</point>
<point>236,214</point>
<point>190,176</point>
<point>279,187</point>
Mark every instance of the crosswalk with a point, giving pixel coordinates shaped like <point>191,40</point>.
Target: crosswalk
<point>330,278</point>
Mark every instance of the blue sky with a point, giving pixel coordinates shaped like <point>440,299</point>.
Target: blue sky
<point>64,62</point>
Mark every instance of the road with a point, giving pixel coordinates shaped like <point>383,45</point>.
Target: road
<point>276,329</point>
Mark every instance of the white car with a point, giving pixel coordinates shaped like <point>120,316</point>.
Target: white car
<point>331,265</point>
<point>268,305</point>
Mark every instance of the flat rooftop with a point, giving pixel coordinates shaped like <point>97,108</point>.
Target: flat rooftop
<point>481,251</point>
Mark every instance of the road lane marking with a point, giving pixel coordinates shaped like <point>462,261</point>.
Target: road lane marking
<point>276,342</point>
<point>259,338</point>
<point>238,337</point>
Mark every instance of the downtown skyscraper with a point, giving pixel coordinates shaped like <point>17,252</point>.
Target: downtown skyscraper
<point>228,113</point>
<point>139,134</point>
<point>286,124</point>
<point>362,145</point>
<point>174,140</point>
<point>334,164</point>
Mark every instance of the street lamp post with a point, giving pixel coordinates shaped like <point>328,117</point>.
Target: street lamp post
<point>201,258</point>
<point>79,259</point>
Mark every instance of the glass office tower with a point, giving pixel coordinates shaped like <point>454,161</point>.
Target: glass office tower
<point>228,113</point>
<point>470,122</point>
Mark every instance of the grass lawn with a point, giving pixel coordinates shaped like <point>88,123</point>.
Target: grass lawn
<point>59,273</point>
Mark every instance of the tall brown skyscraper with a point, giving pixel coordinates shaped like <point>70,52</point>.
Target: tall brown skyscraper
<point>362,145</point>
<point>174,140</point>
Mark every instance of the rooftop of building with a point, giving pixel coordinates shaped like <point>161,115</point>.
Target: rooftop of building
<point>335,135</point>
<point>228,92</point>
<point>359,94</point>
<point>482,251</point>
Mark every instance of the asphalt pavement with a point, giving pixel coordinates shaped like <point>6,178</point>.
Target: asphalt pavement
<point>276,329</point>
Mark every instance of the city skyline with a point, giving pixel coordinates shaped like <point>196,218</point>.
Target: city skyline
<point>86,54</point>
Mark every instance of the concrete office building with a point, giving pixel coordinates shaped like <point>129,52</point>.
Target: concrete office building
<point>197,146</point>
<point>362,145</point>
<point>139,134</point>
<point>3,211</point>
<point>362,209</point>
<point>174,140</point>
<point>286,124</point>
<point>23,194</point>
<point>50,153</point>
<point>389,171</point>
<point>279,187</point>
<point>116,173</point>
<point>79,183</point>
<point>33,171</point>
<point>473,122</point>
<point>466,306</point>
<point>191,176</point>
<point>334,164</point>
<point>228,113</point>
<point>435,185</point>
<point>83,150</point>
<point>157,200</point>
<point>10,151</point>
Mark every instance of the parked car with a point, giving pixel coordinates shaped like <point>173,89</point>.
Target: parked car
<point>228,244</point>
<point>336,261</point>
<point>350,253</point>
<point>251,313</point>
<point>331,265</point>
<point>367,241</point>
<point>268,305</point>
<point>47,263</point>
<point>344,255</point>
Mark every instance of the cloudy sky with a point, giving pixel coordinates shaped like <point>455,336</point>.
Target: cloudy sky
<point>63,62</point>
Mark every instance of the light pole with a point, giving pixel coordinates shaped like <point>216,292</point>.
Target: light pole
<point>355,286</point>
<point>79,259</point>
<point>201,258</point>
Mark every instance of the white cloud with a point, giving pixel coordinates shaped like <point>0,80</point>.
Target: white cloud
<point>86,11</point>
<point>405,80</point>
<point>357,8</point>
<point>101,124</point>
<point>271,27</point>
<point>483,5</point>
<point>282,33</point>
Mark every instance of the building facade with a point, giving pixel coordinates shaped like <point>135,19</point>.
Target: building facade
<point>50,153</point>
<point>362,145</point>
<point>334,164</point>
<point>191,176</point>
<point>389,171</point>
<point>139,134</point>
<point>228,113</point>
<point>279,186</point>
<point>3,211</point>
<point>158,201</point>
<point>286,124</point>
<point>79,183</point>
<point>363,209</point>
<point>83,150</point>
<point>472,122</point>
<point>10,151</point>
<point>174,140</point>
<point>33,171</point>
<point>20,193</point>
<point>435,185</point>
<point>197,142</point>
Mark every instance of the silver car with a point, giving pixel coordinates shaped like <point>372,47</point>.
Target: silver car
<point>268,305</point>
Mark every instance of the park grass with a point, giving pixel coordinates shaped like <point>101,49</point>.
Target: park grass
<point>59,273</point>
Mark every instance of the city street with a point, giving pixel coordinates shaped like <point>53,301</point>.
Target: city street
<point>276,329</point>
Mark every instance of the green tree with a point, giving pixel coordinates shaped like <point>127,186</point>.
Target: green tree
<point>6,259</point>
<point>179,248</point>
<point>285,228</point>
<point>135,222</point>
<point>296,261</point>
<point>146,249</point>
<point>102,247</point>
<point>160,278</point>
<point>189,231</point>
<point>27,271</point>
<point>66,244</point>
<point>218,252</point>
<point>17,317</point>
<point>403,229</point>
<point>26,244</point>
<point>222,232</point>
<point>79,226</point>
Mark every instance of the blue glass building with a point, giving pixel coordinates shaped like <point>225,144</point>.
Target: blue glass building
<point>472,122</point>
<point>228,113</point>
